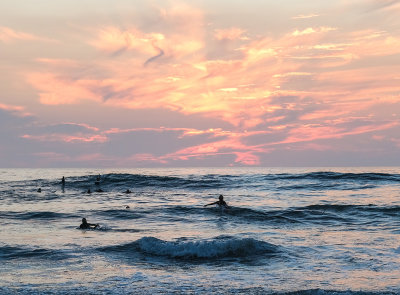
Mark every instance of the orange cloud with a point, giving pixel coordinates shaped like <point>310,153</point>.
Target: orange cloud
<point>311,30</point>
<point>305,16</point>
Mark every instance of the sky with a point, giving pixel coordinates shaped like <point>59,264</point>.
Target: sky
<point>201,83</point>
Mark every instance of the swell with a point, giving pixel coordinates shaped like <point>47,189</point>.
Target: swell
<point>116,180</point>
<point>326,213</point>
<point>14,252</point>
<point>282,181</point>
<point>332,292</point>
<point>313,213</point>
<point>322,175</point>
<point>176,289</point>
<point>219,247</point>
<point>36,215</point>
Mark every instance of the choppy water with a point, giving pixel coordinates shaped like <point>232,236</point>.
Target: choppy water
<point>287,231</point>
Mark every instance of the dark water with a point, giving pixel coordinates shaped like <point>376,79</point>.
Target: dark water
<point>286,231</point>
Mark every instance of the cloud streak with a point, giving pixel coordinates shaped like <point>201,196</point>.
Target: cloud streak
<point>9,35</point>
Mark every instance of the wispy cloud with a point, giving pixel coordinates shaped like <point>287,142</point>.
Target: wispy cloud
<point>8,35</point>
<point>311,30</point>
<point>305,16</point>
<point>230,34</point>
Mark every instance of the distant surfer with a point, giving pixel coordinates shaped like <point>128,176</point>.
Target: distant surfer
<point>127,191</point>
<point>39,190</point>
<point>97,182</point>
<point>63,180</point>
<point>89,191</point>
<point>86,225</point>
<point>221,203</point>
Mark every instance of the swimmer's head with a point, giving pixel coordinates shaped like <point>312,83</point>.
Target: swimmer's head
<point>84,220</point>
<point>221,197</point>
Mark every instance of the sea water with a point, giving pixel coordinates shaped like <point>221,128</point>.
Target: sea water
<point>286,231</point>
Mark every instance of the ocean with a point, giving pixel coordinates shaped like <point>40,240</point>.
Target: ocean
<point>286,231</point>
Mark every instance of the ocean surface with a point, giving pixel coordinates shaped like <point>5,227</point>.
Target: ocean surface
<point>287,231</point>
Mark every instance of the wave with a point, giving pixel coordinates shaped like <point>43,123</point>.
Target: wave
<point>327,213</point>
<point>219,247</point>
<point>132,289</point>
<point>281,181</point>
<point>322,175</point>
<point>123,181</point>
<point>36,215</point>
<point>13,252</point>
<point>119,213</point>
<point>332,292</point>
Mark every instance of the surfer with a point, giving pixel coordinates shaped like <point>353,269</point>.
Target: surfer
<point>89,191</point>
<point>63,180</point>
<point>86,225</point>
<point>39,190</point>
<point>97,182</point>
<point>220,202</point>
<point>127,191</point>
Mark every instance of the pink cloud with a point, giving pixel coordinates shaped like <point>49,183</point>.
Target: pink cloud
<point>17,110</point>
<point>67,138</point>
<point>245,154</point>
<point>248,159</point>
<point>310,133</point>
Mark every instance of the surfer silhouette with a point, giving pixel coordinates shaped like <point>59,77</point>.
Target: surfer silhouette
<point>86,225</point>
<point>220,202</point>
<point>63,180</point>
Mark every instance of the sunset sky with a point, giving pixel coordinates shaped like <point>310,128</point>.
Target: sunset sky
<point>124,83</point>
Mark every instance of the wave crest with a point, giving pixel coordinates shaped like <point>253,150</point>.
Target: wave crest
<point>218,247</point>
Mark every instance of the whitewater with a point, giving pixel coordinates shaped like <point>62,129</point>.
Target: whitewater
<point>286,231</point>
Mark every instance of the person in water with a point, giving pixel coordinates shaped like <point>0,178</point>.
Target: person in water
<point>63,180</point>
<point>221,203</point>
<point>39,190</point>
<point>86,225</point>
